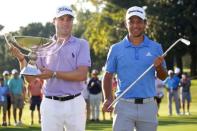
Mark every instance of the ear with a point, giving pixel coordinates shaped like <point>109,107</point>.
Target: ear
<point>145,22</point>
<point>125,23</point>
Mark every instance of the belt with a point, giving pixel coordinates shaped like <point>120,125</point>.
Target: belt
<point>61,98</point>
<point>138,100</point>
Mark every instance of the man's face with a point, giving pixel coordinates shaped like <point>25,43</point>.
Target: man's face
<point>94,75</point>
<point>63,25</point>
<point>15,75</point>
<point>6,76</point>
<point>171,74</point>
<point>135,26</point>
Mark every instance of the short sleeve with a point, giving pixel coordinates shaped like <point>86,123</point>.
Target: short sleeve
<point>83,58</point>
<point>110,65</point>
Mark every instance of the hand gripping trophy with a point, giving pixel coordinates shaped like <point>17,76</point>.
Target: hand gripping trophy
<point>32,48</point>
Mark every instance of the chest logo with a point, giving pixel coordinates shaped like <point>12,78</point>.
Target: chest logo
<point>148,54</point>
<point>73,55</point>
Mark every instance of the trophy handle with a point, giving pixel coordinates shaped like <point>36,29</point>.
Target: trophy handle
<point>11,42</point>
<point>6,39</point>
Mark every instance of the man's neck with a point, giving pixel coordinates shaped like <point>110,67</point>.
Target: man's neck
<point>136,40</point>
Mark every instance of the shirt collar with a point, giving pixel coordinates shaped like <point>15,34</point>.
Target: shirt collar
<point>127,43</point>
<point>70,40</point>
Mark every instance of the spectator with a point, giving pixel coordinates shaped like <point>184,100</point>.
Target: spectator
<point>172,84</point>
<point>185,92</point>
<point>94,87</point>
<point>3,101</point>
<point>35,91</point>
<point>17,91</point>
<point>5,82</point>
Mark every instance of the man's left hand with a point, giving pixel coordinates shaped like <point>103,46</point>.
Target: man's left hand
<point>158,62</point>
<point>46,73</point>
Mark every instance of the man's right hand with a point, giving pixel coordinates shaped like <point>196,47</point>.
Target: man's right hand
<point>106,104</point>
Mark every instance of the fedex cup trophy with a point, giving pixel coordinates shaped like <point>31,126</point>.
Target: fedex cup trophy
<point>32,48</point>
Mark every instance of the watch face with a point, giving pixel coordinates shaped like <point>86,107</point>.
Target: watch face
<point>54,74</point>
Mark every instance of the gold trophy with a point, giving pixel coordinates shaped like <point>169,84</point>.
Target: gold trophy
<point>32,48</point>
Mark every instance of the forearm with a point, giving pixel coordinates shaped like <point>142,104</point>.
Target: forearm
<point>161,72</point>
<point>22,62</point>
<point>19,55</point>
<point>107,86</point>
<point>79,74</point>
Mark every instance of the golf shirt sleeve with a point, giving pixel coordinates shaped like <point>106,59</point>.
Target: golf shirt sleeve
<point>83,58</point>
<point>111,63</point>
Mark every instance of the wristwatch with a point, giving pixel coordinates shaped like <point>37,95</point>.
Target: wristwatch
<point>54,74</point>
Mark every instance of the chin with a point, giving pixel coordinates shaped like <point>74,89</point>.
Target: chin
<point>140,35</point>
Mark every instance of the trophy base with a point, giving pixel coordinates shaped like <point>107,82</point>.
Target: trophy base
<point>30,70</point>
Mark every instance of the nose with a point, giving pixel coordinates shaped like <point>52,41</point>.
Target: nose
<point>135,24</point>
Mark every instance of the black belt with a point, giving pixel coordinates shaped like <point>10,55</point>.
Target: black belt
<point>139,100</point>
<point>63,98</point>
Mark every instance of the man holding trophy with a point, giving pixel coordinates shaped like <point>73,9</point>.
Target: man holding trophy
<point>63,66</point>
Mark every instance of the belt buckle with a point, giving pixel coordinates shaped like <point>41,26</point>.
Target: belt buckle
<point>59,99</point>
<point>56,98</point>
<point>139,101</point>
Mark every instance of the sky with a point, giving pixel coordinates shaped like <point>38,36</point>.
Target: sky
<point>16,13</point>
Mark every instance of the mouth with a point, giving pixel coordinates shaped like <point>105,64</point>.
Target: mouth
<point>136,30</point>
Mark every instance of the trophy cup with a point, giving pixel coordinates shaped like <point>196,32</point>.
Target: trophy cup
<point>32,48</point>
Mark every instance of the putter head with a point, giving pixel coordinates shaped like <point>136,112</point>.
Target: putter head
<point>187,42</point>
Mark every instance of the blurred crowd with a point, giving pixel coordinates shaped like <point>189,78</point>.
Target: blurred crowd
<point>14,92</point>
<point>178,86</point>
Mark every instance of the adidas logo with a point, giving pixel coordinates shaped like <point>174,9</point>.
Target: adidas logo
<point>148,54</point>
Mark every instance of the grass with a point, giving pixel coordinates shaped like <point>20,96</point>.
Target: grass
<point>166,123</point>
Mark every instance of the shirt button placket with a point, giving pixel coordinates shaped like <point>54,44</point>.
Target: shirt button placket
<point>137,53</point>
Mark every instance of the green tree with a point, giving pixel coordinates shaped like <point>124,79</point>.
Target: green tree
<point>38,29</point>
<point>168,20</point>
<point>106,27</point>
<point>171,20</point>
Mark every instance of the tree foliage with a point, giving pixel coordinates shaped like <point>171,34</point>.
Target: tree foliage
<point>168,20</point>
<point>173,19</point>
<point>38,29</point>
